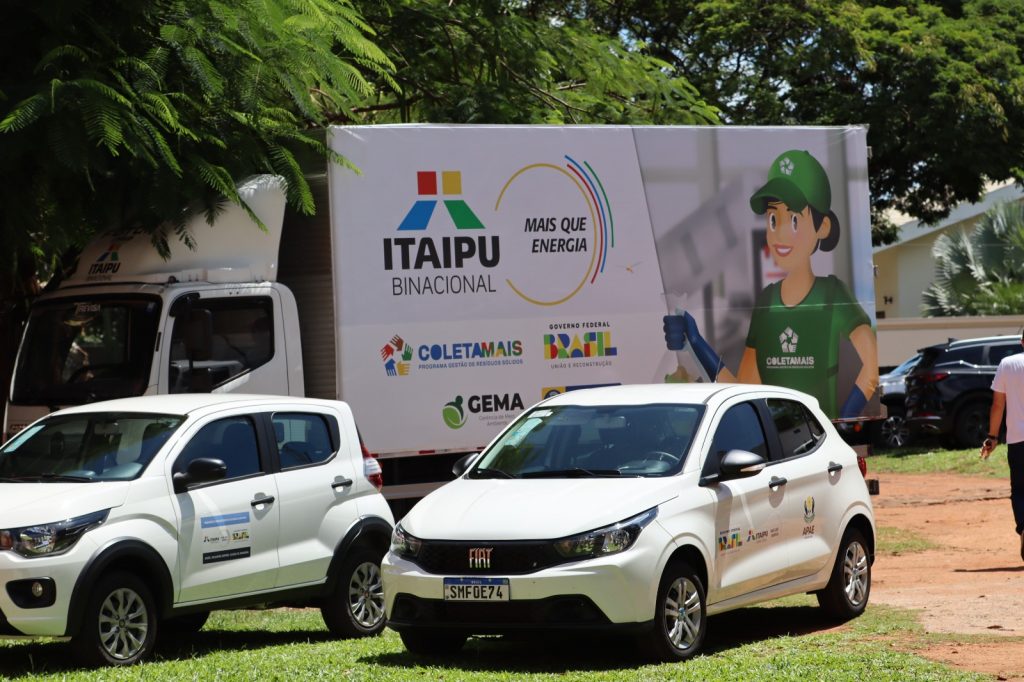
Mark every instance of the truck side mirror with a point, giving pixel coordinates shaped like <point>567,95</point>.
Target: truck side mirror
<point>200,470</point>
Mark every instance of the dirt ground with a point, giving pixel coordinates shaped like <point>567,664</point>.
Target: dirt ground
<point>972,583</point>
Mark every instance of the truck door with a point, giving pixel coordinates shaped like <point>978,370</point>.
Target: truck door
<point>227,530</point>
<point>226,340</point>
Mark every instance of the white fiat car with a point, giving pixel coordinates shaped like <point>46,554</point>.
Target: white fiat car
<point>643,509</point>
<point>123,519</point>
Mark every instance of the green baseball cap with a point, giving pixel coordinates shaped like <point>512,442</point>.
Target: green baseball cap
<point>797,179</point>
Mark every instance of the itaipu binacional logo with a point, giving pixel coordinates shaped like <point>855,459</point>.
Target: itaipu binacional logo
<point>554,218</point>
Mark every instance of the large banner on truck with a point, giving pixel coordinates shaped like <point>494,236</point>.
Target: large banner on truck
<point>479,269</point>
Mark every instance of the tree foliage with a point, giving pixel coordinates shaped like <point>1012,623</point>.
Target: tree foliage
<point>487,61</point>
<point>116,114</point>
<point>980,272</point>
<point>939,82</point>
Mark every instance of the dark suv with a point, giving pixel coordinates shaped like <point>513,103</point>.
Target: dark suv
<point>949,391</point>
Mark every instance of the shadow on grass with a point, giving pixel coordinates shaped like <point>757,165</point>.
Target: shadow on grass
<point>561,653</point>
<point>54,656</point>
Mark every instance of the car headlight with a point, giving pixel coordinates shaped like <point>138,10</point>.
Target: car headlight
<point>49,539</point>
<point>604,541</point>
<point>403,544</point>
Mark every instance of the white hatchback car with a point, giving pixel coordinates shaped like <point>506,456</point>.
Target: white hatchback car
<point>637,508</point>
<point>124,518</point>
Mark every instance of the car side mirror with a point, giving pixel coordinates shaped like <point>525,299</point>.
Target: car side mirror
<point>740,464</point>
<point>735,464</point>
<point>464,463</point>
<point>201,470</point>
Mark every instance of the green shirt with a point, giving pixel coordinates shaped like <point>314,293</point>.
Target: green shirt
<point>798,347</point>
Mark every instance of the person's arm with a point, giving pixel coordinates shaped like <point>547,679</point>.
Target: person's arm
<point>995,422</point>
<point>866,345</point>
<point>747,373</point>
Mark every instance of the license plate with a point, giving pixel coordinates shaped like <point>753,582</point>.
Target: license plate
<point>476,589</point>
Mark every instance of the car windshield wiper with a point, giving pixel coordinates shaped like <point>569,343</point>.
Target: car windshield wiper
<point>59,478</point>
<point>484,472</point>
<point>576,472</point>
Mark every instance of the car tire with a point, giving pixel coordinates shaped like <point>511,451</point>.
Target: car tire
<point>894,430</point>
<point>119,625</point>
<point>849,586</point>
<point>188,624</point>
<point>433,642</point>
<point>356,607</point>
<point>680,615</point>
<point>971,425</point>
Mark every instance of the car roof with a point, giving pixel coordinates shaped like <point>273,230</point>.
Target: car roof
<point>1008,338</point>
<point>645,394</point>
<point>189,403</point>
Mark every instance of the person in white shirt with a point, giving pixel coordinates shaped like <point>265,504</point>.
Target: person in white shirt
<point>1008,393</point>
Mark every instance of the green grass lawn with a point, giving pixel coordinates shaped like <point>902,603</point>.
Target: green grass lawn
<point>925,460</point>
<point>783,640</point>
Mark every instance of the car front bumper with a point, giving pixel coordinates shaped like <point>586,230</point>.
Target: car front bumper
<point>615,592</point>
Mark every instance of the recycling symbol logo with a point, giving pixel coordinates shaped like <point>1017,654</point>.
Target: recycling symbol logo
<point>788,339</point>
<point>786,166</point>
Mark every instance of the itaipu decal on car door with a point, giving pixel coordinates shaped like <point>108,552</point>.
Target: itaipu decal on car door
<point>227,535</point>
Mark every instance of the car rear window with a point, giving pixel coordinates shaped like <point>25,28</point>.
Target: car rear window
<point>971,355</point>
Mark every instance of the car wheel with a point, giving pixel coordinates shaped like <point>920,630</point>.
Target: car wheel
<point>971,425</point>
<point>185,625</point>
<point>433,642</point>
<point>119,625</point>
<point>680,615</point>
<point>356,608</point>
<point>894,430</point>
<point>846,595</point>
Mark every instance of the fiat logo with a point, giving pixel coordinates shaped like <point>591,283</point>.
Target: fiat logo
<point>480,557</point>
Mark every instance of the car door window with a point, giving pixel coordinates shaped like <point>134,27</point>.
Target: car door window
<point>799,432</point>
<point>302,439</point>
<point>231,440</point>
<point>997,353</point>
<point>739,429</point>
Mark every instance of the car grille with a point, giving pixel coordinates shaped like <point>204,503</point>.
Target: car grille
<point>505,558</point>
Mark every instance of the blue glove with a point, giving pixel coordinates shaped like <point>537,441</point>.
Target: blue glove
<point>681,330</point>
<point>854,404</point>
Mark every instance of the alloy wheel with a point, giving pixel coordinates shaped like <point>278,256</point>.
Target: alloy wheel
<point>366,595</point>
<point>682,613</point>
<point>123,624</point>
<point>855,573</point>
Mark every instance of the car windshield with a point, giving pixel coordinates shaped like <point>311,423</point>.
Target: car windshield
<point>569,441</point>
<point>86,447</point>
<point>83,350</point>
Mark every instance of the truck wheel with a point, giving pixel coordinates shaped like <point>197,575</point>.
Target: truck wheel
<point>186,625</point>
<point>680,615</point>
<point>971,425</point>
<point>433,642</point>
<point>846,595</point>
<point>356,608</point>
<point>119,625</point>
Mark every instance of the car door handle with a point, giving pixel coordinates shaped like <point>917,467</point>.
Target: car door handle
<point>777,482</point>
<point>341,483</point>
<point>834,468</point>
<point>257,501</point>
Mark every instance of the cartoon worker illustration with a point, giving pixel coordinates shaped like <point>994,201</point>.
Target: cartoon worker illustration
<point>797,323</point>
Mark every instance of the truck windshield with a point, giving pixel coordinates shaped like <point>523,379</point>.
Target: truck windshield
<point>80,350</point>
<point>569,441</point>
<point>86,447</point>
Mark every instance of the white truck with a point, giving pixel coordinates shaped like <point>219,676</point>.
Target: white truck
<point>466,272</point>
